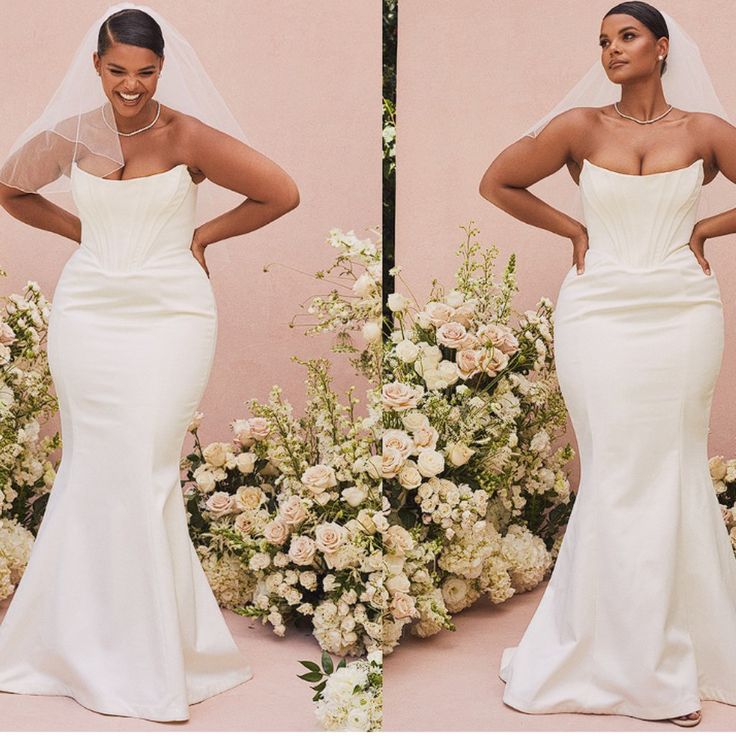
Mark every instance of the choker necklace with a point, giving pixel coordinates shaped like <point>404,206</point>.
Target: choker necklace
<point>636,120</point>
<point>134,132</point>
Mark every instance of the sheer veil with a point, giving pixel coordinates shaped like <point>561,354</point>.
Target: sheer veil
<point>72,129</point>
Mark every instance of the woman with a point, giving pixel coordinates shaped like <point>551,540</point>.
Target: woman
<point>114,608</point>
<point>639,615</point>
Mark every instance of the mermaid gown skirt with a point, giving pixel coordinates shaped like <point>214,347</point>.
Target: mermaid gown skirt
<point>639,615</point>
<point>114,608</point>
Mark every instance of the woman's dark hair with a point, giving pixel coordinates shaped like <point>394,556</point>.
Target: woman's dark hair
<point>647,15</point>
<point>131,26</point>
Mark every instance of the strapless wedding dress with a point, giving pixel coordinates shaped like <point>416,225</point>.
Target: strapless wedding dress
<point>639,615</point>
<point>114,608</point>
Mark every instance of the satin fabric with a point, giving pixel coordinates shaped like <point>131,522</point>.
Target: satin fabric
<point>639,615</point>
<point>114,608</point>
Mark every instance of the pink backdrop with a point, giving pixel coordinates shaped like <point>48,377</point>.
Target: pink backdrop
<point>304,80</point>
<point>473,76</point>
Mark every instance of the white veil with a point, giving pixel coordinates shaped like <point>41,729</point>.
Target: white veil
<point>72,130</point>
<point>686,82</point>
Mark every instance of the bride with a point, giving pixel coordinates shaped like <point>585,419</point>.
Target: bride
<point>114,608</point>
<point>639,615</point>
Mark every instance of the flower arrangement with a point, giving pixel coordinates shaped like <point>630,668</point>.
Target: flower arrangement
<point>349,696</point>
<point>471,407</point>
<point>288,516</point>
<point>26,401</point>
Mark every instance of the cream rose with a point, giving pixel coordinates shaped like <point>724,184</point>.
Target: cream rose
<point>451,334</point>
<point>216,453</point>
<point>402,607</point>
<point>302,550</point>
<point>219,503</point>
<point>409,476</point>
<point>329,537</point>
<point>292,511</point>
<point>458,454</point>
<point>249,497</point>
<point>319,478</point>
<point>400,396</point>
<point>276,532</point>
<point>246,462</point>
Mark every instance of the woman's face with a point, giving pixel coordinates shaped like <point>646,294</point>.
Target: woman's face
<point>629,50</point>
<point>129,76</point>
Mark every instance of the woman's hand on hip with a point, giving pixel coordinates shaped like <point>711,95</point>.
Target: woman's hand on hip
<point>697,246</point>
<point>198,249</point>
<point>579,249</point>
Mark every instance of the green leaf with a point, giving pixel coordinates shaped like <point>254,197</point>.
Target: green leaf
<point>341,663</point>
<point>311,666</point>
<point>311,676</point>
<point>327,665</point>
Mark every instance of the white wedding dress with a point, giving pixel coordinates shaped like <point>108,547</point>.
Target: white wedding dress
<point>639,615</point>
<point>114,608</point>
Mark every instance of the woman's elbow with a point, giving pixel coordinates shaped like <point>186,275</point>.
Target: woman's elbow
<point>489,189</point>
<point>289,196</point>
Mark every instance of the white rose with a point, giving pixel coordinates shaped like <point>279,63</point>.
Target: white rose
<point>413,420</point>
<point>371,331</point>
<point>354,495</point>
<point>363,285</point>
<point>397,302</point>
<point>246,462</point>
<point>392,460</point>
<point>398,539</point>
<point>216,454</point>
<point>407,351</point>
<point>319,478</point>
<point>400,440</point>
<point>409,476</point>
<point>430,463</point>
<point>204,479</point>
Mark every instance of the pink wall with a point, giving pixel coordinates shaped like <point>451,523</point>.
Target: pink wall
<point>473,75</point>
<point>304,79</point>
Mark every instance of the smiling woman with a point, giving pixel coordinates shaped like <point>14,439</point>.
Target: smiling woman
<point>130,625</point>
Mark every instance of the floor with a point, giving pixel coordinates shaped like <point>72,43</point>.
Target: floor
<point>275,699</point>
<point>450,682</point>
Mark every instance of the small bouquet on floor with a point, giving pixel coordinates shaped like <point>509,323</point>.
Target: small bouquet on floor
<point>349,696</point>
<point>723,475</point>
<point>471,407</point>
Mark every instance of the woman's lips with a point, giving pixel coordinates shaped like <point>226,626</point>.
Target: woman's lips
<point>131,100</point>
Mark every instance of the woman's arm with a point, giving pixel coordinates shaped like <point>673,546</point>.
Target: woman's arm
<point>226,161</point>
<point>722,137</point>
<point>524,163</point>
<point>39,162</point>
<point>35,210</point>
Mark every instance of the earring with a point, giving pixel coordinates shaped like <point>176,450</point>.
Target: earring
<point>660,57</point>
